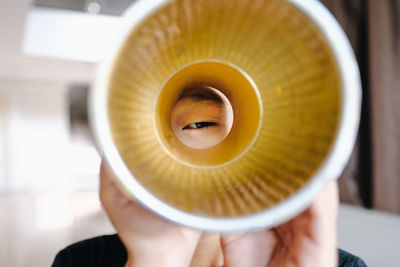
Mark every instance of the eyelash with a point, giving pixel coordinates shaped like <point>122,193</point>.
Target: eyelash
<point>199,125</point>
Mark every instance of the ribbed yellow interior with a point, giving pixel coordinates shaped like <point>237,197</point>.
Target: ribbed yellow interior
<point>297,99</point>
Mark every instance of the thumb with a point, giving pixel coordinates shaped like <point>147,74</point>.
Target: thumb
<point>249,249</point>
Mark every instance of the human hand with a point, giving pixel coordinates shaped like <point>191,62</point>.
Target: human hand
<point>151,240</point>
<point>307,240</point>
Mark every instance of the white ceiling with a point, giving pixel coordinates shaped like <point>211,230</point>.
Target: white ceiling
<point>15,65</point>
<point>71,35</point>
<point>60,45</point>
<point>107,7</point>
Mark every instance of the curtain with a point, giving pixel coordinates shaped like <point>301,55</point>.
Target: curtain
<point>384,38</point>
<point>372,177</point>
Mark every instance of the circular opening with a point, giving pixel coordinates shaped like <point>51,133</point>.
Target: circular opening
<point>208,113</point>
<point>283,130</point>
<point>202,117</point>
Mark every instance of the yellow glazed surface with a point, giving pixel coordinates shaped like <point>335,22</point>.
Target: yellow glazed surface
<point>280,76</point>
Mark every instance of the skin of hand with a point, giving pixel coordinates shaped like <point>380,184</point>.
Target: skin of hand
<point>307,240</point>
<point>149,240</point>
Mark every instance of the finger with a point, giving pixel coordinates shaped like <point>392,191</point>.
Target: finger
<point>310,238</point>
<point>249,249</point>
<point>107,187</point>
<point>106,183</point>
<point>117,204</point>
<point>326,203</point>
<point>110,195</point>
<point>208,252</point>
<point>324,220</point>
<point>322,215</point>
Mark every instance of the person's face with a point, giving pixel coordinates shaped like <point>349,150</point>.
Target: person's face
<point>202,117</point>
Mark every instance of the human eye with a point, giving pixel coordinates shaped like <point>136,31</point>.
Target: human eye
<point>199,125</point>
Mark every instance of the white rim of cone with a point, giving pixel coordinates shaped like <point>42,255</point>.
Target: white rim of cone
<point>295,204</point>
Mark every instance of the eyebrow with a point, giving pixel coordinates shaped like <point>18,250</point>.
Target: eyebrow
<point>201,96</point>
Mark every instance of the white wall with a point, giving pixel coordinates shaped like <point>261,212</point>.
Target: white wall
<point>33,117</point>
<point>3,141</point>
<point>35,135</point>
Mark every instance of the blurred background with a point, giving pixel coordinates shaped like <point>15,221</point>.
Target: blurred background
<point>49,50</point>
